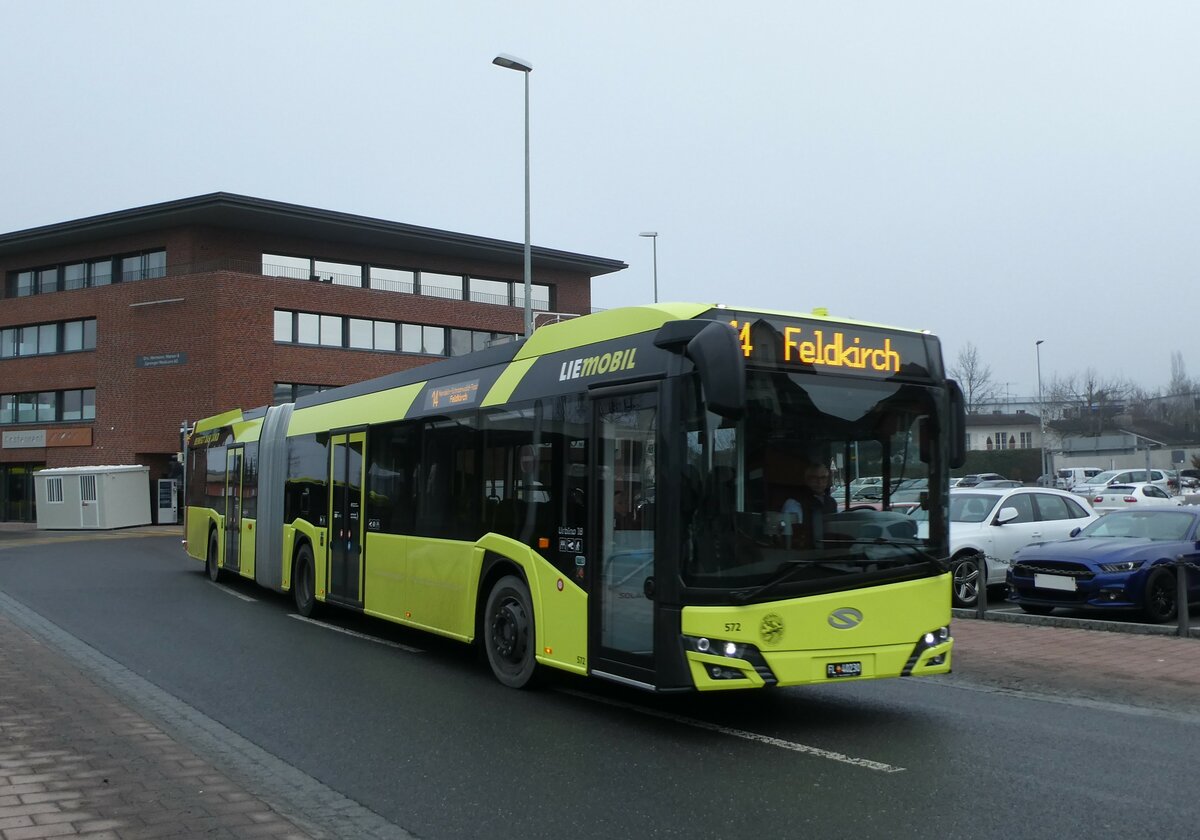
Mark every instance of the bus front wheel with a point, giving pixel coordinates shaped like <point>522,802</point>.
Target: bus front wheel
<point>210,562</point>
<point>508,632</point>
<point>304,582</point>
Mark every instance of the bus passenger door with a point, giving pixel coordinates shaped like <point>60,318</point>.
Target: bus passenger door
<point>233,508</point>
<point>622,595</point>
<point>346,465</point>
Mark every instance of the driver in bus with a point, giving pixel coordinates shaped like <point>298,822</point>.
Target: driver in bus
<point>812,503</point>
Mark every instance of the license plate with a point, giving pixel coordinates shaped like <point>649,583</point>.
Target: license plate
<point>1060,582</point>
<point>843,669</point>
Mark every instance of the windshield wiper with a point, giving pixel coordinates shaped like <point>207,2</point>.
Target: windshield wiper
<point>743,596</point>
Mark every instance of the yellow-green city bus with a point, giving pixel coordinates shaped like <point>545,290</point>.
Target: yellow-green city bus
<point>621,495</point>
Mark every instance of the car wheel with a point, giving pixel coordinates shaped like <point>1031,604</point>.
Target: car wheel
<point>966,571</point>
<point>508,632</point>
<point>304,582</point>
<point>1159,597</point>
<point>210,562</point>
<point>1036,609</point>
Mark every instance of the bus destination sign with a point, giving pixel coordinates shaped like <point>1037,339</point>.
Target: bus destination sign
<point>829,346</point>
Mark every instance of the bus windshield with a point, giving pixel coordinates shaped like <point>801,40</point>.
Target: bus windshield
<point>770,501</point>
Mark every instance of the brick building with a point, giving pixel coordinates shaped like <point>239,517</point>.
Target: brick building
<point>116,329</point>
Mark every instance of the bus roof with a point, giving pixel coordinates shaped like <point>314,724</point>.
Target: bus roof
<point>605,326</point>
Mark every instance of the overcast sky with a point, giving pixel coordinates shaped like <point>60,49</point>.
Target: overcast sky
<point>997,173</point>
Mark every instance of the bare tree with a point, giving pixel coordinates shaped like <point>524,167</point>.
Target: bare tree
<point>974,377</point>
<point>1088,396</point>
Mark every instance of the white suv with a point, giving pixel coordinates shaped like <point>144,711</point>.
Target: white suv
<point>1089,488</point>
<point>988,524</point>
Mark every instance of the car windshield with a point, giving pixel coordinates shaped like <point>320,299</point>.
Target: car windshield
<point>1145,525</point>
<point>971,507</point>
<point>1104,477</point>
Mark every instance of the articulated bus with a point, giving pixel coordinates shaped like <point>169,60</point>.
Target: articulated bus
<point>613,496</point>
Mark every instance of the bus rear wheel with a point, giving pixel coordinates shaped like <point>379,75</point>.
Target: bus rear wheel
<point>304,590</point>
<point>508,632</point>
<point>210,562</point>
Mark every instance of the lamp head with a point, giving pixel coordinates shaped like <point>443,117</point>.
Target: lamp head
<point>649,233</point>
<point>512,63</point>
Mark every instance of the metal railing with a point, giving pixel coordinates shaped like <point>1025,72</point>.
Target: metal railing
<point>1182,569</point>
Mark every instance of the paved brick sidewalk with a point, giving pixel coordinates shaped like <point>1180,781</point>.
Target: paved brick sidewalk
<point>1148,671</point>
<point>77,762</point>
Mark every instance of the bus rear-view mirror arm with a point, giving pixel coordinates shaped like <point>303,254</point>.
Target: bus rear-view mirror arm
<point>713,347</point>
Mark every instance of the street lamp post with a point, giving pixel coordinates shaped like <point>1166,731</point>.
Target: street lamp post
<point>1041,406</point>
<point>653,234</point>
<point>513,63</point>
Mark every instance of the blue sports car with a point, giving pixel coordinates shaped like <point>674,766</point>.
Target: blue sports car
<point>1125,560</point>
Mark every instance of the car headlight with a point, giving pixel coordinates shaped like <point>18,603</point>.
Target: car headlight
<point>1126,566</point>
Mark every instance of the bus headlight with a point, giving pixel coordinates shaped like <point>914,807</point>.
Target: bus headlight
<point>733,650</point>
<point>937,636</point>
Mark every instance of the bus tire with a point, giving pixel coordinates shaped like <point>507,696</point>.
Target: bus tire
<point>210,561</point>
<point>304,590</point>
<point>509,639</point>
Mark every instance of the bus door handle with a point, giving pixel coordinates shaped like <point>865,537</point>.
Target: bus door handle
<point>648,588</point>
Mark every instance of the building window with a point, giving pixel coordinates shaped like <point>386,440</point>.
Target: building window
<point>468,341</point>
<point>284,329</point>
<point>393,279</point>
<point>277,265</point>
<point>539,295</point>
<point>1027,440</point>
<point>48,406</point>
<point>490,291</point>
<point>331,331</point>
<point>361,334</point>
<point>286,392</point>
<point>79,275</point>
<point>54,490</point>
<point>340,274</point>
<point>143,266</point>
<point>441,285</point>
<point>384,336</point>
<point>47,339</point>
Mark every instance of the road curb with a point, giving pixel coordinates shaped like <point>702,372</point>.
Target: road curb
<point>1078,623</point>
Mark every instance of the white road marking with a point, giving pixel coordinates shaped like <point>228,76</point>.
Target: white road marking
<point>770,741</point>
<point>233,592</point>
<point>355,634</point>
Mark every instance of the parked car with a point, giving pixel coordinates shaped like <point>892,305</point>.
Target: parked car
<point>988,525</point>
<point>1122,561</point>
<point>972,480</point>
<point>999,482</point>
<point>1088,489</point>
<point>1142,495</point>
<point>1067,477</point>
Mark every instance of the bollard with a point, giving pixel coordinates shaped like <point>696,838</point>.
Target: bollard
<point>981,597</point>
<point>1181,596</point>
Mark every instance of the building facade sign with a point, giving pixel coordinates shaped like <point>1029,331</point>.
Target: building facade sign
<point>162,360</point>
<point>43,438</point>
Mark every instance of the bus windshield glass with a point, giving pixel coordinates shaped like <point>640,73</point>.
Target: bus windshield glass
<point>811,489</point>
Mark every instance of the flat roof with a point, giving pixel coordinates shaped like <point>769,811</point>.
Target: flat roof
<point>240,212</point>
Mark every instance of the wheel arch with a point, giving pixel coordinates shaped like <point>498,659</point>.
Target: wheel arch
<point>494,567</point>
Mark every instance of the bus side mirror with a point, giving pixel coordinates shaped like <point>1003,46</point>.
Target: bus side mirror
<point>713,347</point>
<point>957,425</point>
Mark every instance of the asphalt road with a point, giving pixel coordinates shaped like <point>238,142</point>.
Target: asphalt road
<point>415,728</point>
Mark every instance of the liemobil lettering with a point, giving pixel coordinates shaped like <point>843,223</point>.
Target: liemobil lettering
<point>596,365</point>
<point>836,354</point>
